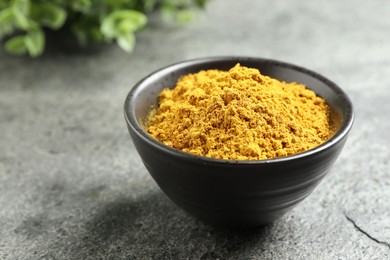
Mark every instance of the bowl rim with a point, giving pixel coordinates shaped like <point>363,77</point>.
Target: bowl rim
<point>137,128</point>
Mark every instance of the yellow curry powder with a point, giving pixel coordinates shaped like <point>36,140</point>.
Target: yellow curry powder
<point>239,115</point>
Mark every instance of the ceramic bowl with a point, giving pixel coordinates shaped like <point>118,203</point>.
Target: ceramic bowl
<point>234,193</point>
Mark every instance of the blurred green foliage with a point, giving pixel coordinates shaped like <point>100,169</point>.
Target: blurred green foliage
<point>22,22</point>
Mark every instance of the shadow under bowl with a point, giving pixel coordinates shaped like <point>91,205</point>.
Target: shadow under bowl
<point>234,193</point>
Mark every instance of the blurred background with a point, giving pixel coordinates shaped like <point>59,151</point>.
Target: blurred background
<point>71,183</point>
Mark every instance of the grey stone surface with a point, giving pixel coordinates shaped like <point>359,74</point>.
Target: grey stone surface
<point>73,187</point>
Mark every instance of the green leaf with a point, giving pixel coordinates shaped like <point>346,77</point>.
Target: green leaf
<point>126,42</point>
<point>4,4</point>
<point>184,16</point>
<point>180,10</point>
<point>6,22</point>
<point>90,20</point>
<point>21,9</point>
<point>126,26</point>
<point>48,14</point>
<point>168,13</point>
<point>96,35</point>
<point>80,34</point>
<point>16,45</point>
<point>23,6</point>
<point>201,3</point>
<point>35,42</point>
<point>113,25</point>
<point>123,4</point>
<point>83,6</point>
<point>149,5</point>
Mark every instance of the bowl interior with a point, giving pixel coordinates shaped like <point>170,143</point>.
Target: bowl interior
<point>144,95</point>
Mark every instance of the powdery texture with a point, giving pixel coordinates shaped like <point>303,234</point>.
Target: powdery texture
<point>239,115</point>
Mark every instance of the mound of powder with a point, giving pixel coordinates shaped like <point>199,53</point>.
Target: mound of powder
<point>239,115</point>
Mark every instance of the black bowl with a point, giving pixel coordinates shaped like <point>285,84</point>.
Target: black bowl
<point>234,193</point>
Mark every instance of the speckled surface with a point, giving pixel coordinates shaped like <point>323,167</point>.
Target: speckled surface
<point>73,187</point>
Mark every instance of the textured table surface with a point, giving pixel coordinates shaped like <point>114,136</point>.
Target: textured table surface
<point>73,187</point>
